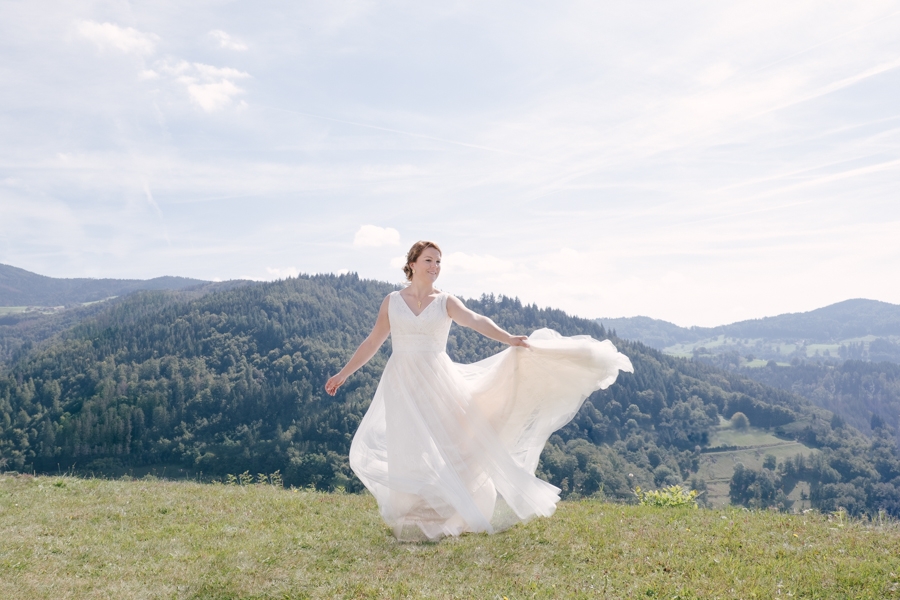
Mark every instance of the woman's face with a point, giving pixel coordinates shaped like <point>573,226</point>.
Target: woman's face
<point>428,264</point>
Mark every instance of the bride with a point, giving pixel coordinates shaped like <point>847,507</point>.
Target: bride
<point>447,448</point>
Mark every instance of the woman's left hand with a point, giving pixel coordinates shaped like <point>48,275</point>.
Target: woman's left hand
<point>336,381</point>
<point>519,340</point>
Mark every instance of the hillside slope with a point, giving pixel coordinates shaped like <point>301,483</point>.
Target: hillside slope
<point>65,537</point>
<point>233,381</point>
<point>23,330</point>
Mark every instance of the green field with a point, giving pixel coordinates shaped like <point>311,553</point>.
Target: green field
<point>717,467</point>
<point>62,537</point>
<point>7,310</point>
<point>776,350</point>
<point>44,310</point>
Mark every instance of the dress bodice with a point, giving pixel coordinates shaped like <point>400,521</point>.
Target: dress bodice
<point>426,332</point>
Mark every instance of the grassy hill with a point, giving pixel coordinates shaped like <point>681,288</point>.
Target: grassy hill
<point>64,537</point>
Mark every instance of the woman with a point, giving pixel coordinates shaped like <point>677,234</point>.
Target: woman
<point>448,448</point>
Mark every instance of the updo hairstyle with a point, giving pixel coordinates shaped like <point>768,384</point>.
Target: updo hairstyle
<point>413,255</point>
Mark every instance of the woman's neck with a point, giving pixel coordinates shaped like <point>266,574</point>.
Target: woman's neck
<point>421,289</point>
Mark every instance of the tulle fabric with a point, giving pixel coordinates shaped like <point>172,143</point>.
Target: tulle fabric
<point>447,448</point>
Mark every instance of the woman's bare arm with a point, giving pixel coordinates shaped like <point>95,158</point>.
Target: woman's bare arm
<point>366,350</point>
<point>483,325</point>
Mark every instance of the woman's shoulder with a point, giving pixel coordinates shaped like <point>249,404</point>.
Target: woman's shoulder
<point>449,298</point>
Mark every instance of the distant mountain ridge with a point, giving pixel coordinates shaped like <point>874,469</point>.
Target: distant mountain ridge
<point>848,319</point>
<point>853,329</point>
<point>19,287</point>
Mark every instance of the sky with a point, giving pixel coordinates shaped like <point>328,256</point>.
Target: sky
<point>701,162</point>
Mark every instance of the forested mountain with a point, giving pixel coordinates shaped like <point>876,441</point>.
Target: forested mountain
<point>854,329</point>
<point>21,331</point>
<point>233,380</point>
<point>842,357</point>
<point>854,390</point>
<point>19,287</point>
<point>655,333</point>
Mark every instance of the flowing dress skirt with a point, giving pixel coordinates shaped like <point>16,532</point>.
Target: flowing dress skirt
<point>447,448</point>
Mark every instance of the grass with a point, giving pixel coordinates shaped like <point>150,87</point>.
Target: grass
<point>62,537</point>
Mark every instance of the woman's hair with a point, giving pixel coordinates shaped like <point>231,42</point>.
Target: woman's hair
<point>414,253</point>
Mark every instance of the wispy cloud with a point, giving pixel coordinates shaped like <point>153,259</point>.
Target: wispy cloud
<point>462,262</point>
<point>282,272</point>
<point>124,39</point>
<point>369,236</point>
<point>226,41</point>
<point>701,164</point>
<point>211,88</point>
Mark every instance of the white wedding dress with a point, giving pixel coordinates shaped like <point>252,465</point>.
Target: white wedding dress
<point>447,448</point>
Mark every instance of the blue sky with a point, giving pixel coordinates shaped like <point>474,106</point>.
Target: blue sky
<point>700,162</point>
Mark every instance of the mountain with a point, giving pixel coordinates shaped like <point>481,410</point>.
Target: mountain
<point>19,287</point>
<point>858,329</point>
<point>844,357</point>
<point>232,380</point>
<point>34,308</point>
<point>656,333</point>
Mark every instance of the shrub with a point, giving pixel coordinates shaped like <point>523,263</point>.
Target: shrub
<point>740,421</point>
<point>672,496</point>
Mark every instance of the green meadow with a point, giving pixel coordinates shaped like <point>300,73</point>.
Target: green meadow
<point>64,537</point>
<point>781,349</point>
<point>717,467</point>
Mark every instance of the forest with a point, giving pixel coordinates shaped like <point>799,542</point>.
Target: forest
<point>854,390</point>
<point>231,380</point>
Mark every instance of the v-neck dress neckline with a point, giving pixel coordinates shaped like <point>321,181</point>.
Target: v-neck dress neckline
<point>433,300</point>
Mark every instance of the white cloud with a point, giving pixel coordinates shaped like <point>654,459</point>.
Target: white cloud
<point>210,72</point>
<point>226,41</point>
<point>566,260</point>
<point>211,88</point>
<point>460,262</point>
<point>213,96</point>
<point>282,272</point>
<point>374,236</point>
<point>124,39</point>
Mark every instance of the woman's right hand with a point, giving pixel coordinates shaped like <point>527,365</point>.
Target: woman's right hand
<point>519,340</point>
<point>336,381</point>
